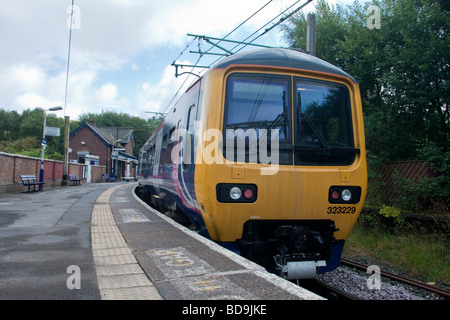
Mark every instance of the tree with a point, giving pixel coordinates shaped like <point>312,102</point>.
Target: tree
<point>330,25</point>
<point>9,122</point>
<point>22,134</point>
<point>402,69</point>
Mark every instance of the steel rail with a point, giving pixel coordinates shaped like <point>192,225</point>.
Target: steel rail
<point>442,292</point>
<point>330,289</point>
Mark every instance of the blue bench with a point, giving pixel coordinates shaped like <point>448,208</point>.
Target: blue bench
<point>30,180</point>
<point>74,180</point>
<point>108,178</point>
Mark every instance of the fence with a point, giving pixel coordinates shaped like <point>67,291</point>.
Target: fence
<point>384,187</point>
<point>13,165</point>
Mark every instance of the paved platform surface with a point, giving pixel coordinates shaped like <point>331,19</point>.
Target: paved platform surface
<point>99,241</point>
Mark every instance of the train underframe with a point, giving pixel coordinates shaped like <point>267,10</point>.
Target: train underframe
<point>295,249</point>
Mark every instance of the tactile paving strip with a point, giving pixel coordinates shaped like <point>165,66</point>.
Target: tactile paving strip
<point>119,276</point>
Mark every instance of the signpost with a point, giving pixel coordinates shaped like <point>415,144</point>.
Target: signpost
<point>51,132</point>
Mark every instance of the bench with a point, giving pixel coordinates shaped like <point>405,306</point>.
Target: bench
<point>74,180</point>
<point>30,180</point>
<point>107,178</point>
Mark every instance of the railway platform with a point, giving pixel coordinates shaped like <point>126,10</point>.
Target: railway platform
<point>101,242</point>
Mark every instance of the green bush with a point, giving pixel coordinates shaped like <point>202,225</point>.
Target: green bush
<point>431,193</point>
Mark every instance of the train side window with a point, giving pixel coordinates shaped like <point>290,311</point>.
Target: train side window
<point>191,119</point>
<point>162,160</point>
<point>187,146</point>
<point>145,159</point>
<point>152,157</point>
<point>171,145</point>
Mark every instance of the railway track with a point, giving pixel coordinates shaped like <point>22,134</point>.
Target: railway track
<point>436,290</point>
<point>326,290</point>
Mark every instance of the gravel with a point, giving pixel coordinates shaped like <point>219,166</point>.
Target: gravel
<point>356,282</point>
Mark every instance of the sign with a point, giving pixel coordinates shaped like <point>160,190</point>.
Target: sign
<point>52,131</point>
<point>44,143</point>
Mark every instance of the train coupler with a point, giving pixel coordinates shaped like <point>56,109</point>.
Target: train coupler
<point>291,270</point>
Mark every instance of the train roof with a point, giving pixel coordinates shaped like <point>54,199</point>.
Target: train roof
<point>278,57</point>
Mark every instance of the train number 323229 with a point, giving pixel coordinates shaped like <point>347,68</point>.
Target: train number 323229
<point>341,210</point>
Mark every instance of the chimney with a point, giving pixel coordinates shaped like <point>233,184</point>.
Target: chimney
<point>93,122</point>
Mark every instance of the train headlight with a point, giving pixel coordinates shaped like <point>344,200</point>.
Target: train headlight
<point>346,195</point>
<point>248,193</point>
<point>335,195</point>
<point>235,193</point>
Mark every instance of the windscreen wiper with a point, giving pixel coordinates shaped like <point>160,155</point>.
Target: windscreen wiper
<point>311,124</point>
<point>274,124</point>
<point>343,150</point>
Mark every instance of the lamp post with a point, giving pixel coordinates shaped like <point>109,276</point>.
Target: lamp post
<point>44,143</point>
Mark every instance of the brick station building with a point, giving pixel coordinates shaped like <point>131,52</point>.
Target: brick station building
<point>111,147</point>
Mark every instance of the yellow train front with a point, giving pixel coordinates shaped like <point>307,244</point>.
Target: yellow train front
<point>278,159</point>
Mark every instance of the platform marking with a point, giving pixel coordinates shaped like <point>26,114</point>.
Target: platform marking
<point>179,262</point>
<point>195,278</point>
<point>119,276</point>
<point>132,215</point>
<point>211,288</point>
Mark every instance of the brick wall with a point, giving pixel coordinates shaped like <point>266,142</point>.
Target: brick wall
<point>86,140</point>
<point>13,165</point>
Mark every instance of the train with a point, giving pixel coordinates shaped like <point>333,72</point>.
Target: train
<point>265,155</point>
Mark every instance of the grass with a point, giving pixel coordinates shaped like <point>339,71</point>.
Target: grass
<point>424,256</point>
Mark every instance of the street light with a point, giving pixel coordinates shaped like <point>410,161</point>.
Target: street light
<point>44,143</point>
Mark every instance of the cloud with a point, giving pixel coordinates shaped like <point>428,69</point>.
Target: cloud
<point>156,97</point>
<point>107,92</point>
<point>121,50</point>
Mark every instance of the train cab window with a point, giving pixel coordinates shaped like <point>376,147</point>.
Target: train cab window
<point>256,104</point>
<point>323,123</point>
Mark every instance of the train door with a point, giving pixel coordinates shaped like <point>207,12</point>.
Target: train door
<point>188,165</point>
<point>189,107</point>
<point>156,164</point>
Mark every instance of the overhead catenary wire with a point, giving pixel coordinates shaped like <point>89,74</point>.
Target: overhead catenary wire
<point>182,52</point>
<point>268,29</point>
<point>231,32</point>
<point>179,89</point>
<point>242,23</point>
<point>279,22</point>
<point>243,43</point>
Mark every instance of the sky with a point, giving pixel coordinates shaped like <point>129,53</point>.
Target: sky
<point>121,50</point>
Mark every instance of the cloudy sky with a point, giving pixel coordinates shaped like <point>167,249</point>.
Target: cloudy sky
<point>121,50</point>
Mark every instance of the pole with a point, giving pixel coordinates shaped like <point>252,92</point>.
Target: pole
<point>65,181</point>
<point>128,171</point>
<point>44,144</point>
<point>66,151</point>
<point>41,172</point>
<point>311,34</point>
